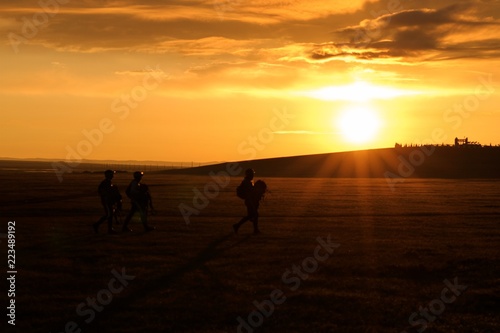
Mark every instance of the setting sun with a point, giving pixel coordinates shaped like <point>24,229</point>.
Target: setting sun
<point>358,124</point>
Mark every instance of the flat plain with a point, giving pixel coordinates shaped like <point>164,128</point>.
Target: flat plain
<point>335,255</point>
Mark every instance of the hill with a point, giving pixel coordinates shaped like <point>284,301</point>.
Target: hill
<point>417,162</point>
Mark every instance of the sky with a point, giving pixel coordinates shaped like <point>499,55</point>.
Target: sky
<point>230,80</point>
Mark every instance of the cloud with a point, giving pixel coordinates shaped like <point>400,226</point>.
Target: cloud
<point>91,26</point>
<point>257,46</point>
<point>415,35</point>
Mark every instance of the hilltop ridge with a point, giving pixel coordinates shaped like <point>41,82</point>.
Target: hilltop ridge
<point>417,161</point>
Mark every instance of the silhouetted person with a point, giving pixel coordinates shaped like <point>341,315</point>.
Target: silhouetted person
<point>111,200</point>
<point>140,199</point>
<point>147,199</point>
<point>252,195</point>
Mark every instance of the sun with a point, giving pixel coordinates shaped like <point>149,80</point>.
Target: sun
<point>358,124</point>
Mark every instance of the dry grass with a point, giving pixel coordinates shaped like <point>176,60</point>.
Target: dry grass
<point>396,248</point>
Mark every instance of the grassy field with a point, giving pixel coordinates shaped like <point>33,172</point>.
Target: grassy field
<point>426,253</point>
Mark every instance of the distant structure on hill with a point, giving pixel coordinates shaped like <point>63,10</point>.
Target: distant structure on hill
<point>466,142</point>
<point>458,143</point>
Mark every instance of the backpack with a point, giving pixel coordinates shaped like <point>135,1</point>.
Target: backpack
<point>241,192</point>
<point>260,188</point>
<point>115,195</point>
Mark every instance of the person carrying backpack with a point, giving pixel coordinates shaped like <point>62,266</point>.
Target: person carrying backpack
<point>111,201</point>
<point>252,194</point>
<point>139,199</point>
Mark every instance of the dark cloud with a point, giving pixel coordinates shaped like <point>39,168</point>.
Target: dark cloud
<point>417,34</point>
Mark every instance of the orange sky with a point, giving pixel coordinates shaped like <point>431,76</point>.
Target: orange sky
<point>233,80</point>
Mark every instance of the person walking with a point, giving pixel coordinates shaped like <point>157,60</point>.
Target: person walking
<point>252,194</point>
<point>111,201</point>
<point>147,199</point>
<point>139,199</point>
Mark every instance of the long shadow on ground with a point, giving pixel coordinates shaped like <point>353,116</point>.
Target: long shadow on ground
<point>213,250</point>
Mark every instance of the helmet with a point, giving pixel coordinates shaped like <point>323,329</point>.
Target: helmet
<point>109,173</point>
<point>138,175</point>
<point>249,172</point>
